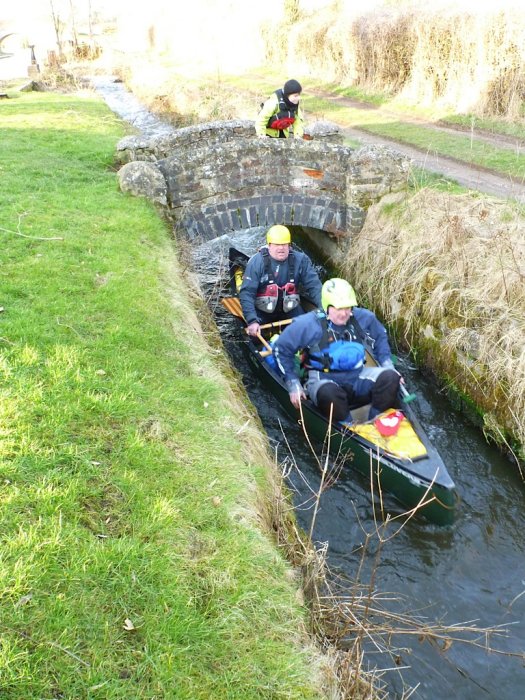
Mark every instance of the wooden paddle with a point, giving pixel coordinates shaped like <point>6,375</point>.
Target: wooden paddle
<point>285,322</point>
<point>234,307</point>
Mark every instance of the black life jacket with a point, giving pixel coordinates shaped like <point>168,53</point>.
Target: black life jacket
<point>336,352</point>
<point>269,295</point>
<point>285,115</point>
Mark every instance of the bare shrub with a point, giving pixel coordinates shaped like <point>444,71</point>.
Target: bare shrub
<point>385,44</point>
<point>58,79</point>
<point>318,40</point>
<point>454,58</point>
<point>469,61</point>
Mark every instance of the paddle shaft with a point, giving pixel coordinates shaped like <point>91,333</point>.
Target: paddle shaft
<point>277,323</point>
<point>233,305</point>
<point>265,343</point>
<point>407,398</point>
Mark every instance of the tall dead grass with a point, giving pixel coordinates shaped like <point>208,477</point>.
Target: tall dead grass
<point>451,270</point>
<point>471,61</point>
<point>450,56</point>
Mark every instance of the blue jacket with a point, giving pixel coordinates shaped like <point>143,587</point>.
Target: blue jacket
<point>306,331</point>
<point>255,277</point>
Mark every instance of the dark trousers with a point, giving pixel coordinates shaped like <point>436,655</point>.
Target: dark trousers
<point>381,394</point>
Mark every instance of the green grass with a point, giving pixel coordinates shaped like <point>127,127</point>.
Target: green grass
<point>461,146</point>
<point>420,179</point>
<point>126,493</point>
<point>396,104</point>
<point>354,93</point>
<point>492,126</point>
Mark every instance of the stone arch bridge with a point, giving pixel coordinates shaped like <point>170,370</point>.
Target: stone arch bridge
<point>217,178</point>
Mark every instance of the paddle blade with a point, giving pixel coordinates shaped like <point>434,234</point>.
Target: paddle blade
<point>233,305</point>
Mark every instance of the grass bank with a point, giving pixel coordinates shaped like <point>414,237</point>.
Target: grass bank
<point>134,561</point>
<point>454,295</point>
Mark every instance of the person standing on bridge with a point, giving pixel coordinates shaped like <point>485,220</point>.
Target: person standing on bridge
<point>332,343</point>
<point>272,280</point>
<point>281,116</point>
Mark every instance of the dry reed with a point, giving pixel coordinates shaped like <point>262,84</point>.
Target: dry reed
<point>449,272</point>
<point>437,56</point>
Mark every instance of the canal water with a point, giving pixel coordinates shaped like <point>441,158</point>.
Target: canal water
<point>471,574</point>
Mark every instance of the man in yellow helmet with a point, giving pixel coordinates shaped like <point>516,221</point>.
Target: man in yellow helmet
<point>334,356</point>
<point>273,278</point>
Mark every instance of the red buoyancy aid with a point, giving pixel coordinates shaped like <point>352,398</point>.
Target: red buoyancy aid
<point>279,122</point>
<point>267,299</point>
<point>285,115</point>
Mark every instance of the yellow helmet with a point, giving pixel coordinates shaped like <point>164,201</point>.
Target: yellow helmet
<point>278,234</point>
<point>338,293</point>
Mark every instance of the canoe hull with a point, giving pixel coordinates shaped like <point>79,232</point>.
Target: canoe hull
<point>435,497</point>
<point>423,483</point>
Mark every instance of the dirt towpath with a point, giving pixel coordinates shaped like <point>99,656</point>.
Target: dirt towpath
<point>471,176</point>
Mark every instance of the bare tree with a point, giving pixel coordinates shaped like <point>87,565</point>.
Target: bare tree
<point>58,26</point>
<point>73,25</point>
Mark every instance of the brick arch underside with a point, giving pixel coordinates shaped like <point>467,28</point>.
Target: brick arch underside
<point>273,207</point>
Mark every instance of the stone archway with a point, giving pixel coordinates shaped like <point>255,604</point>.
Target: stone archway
<point>219,177</point>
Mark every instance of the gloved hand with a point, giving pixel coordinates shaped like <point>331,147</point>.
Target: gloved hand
<point>253,328</point>
<point>296,392</point>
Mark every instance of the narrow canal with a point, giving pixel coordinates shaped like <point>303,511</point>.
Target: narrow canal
<point>470,574</point>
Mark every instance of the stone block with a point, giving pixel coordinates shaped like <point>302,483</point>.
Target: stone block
<point>236,219</point>
<point>271,215</point>
<point>302,213</point>
<point>226,221</point>
<point>245,219</point>
<point>144,179</point>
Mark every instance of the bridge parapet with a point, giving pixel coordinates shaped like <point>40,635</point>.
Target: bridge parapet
<point>132,148</point>
<point>218,177</point>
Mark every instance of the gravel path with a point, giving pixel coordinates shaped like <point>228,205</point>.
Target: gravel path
<point>471,176</point>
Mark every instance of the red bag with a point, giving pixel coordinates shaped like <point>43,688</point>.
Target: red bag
<point>283,123</point>
<point>388,424</point>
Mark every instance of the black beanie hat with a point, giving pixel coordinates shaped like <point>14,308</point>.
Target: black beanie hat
<point>291,87</point>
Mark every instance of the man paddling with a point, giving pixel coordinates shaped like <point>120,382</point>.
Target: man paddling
<point>272,281</point>
<point>334,356</point>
